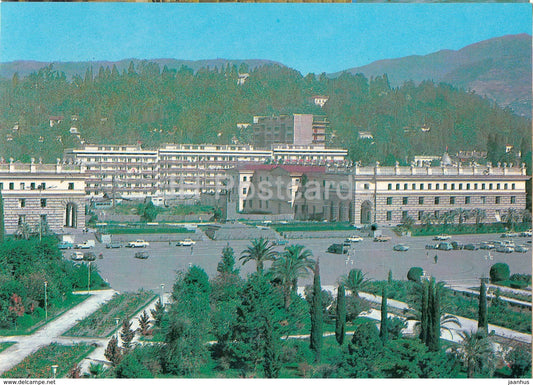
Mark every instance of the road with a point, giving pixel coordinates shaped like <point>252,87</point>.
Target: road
<point>125,273</point>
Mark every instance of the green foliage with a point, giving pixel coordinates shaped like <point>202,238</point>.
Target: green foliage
<point>483,323</point>
<point>227,265</point>
<point>139,363</point>
<point>340,316</point>
<point>415,273</point>
<point>259,251</point>
<point>112,352</point>
<point>158,312</point>
<point>499,272</point>
<point>148,211</point>
<point>477,354</point>
<point>2,231</point>
<point>384,329</point>
<point>126,335</point>
<point>315,339</point>
<point>355,281</point>
<point>520,360</point>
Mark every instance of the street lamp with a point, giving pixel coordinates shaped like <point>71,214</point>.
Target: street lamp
<point>54,370</point>
<point>45,301</point>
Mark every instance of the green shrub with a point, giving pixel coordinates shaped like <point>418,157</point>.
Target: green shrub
<point>499,272</point>
<point>518,284</point>
<point>414,274</point>
<point>521,277</point>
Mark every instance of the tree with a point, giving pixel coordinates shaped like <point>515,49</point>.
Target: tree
<point>363,351</point>
<point>126,335</point>
<point>354,281</point>
<point>407,223</point>
<point>291,265</point>
<point>389,278</point>
<point>415,274</point>
<point>227,265</point>
<point>158,312</point>
<point>499,272</point>
<point>316,315</point>
<point>463,215</point>
<point>148,212</point>
<point>2,230</point>
<point>384,329</point>
<point>479,215</point>
<point>340,316</point>
<point>519,359</point>
<point>482,323</point>
<point>144,324</point>
<point>23,231</point>
<point>260,251</point>
<point>112,352</point>
<point>477,353</point>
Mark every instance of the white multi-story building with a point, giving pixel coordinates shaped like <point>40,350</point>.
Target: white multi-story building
<point>35,193</point>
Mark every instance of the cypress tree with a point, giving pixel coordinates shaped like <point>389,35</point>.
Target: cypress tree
<point>424,312</point>
<point>482,323</point>
<point>340,315</point>
<point>126,334</point>
<point>390,276</point>
<point>433,332</point>
<point>112,351</point>
<point>384,329</point>
<point>316,315</point>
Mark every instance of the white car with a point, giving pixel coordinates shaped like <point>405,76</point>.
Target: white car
<point>77,256</point>
<point>354,238</point>
<point>186,242</point>
<point>138,243</point>
<point>442,237</point>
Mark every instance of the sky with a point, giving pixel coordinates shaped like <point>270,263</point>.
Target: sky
<point>308,37</point>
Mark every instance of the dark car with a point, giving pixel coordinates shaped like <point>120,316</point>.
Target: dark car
<point>445,246</point>
<point>280,242</point>
<point>456,246</point>
<point>431,247</point>
<point>486,246</point>
<point>89,256</point>
<point>470,246</point>
<point>400,247</point>
<point>141,255</point>
<point>337,248</point>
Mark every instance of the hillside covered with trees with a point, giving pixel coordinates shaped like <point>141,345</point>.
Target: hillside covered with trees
<point>156,105</point>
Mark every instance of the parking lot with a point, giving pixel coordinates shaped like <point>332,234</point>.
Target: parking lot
<point>375,259</point>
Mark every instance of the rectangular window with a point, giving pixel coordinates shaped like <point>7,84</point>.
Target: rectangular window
<point>11,185</point>
<point>490,186</point>
<point>43,186</point>
<point>437,200</point>
<point>71,186</point>
<point>483,200</point>
<point>468,186</point>
<point>437,186</point>
<point>467,200</point>
<point>367,186</point>
<point>420,215</point>
<point>389,200</point>
<point>452,200</point>
<point>389,187</point>
<point>405,214</point>
<point>513,186</point>
<point>244,190</point>
<point>497,186</point>
<point>513,200</point>
<point>22,219</point>
<point>445,187</point>
<point>244,178</point>
<point>505,186</point>
<point>421,186</point>
<point>482,186</point>
<point>430,186</point>
<point>453,186</point>
<point>1,186</point>
<point>498,200</point>
<point>22,186</point>
<point>243,204</point>
<point>22,202</point>
<point>405,186</point>
<point>420,200</point>
<point>405,200</point>
<point>397,186</point>
<point>389,215</point>
<point>460,186</point>
<point>413,186</point>
<point>475,186</point>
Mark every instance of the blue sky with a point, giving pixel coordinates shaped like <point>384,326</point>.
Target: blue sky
<point>308,37</point>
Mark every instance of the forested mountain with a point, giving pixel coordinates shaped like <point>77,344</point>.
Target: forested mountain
<point>498,68</point>
<point>155,105</point>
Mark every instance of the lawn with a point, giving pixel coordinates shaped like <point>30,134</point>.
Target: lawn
<point>310,226</point>
<point>28,323</point>
<point>39,364</point>
<point>102,322</point>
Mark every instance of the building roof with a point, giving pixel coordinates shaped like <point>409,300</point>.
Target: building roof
<point>287,167</point>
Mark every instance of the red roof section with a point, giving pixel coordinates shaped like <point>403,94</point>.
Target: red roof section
<point>286,167</point>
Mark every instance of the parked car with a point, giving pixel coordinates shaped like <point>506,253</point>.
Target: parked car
<point>470,246</point>
<point>85,245</point>
<point>65,245</point>
<point>456,246</point>
<point>400,247</point>
<point>186,242</point>
<point>89,256</point>
<point>431,247</point>
<point>504,249</point>
<point>525,233</point>
<point>113,245</point>
<point>337,248</point>
<point>486,246</point>
<point>77,256</point>
<point>445,246</point>
<point>509,235</point>
<point>138,243</point>
<point>442,237</point>
<point>354,238</point>
<point>280,242</point>
<point>521,249</point>
<point>382,238</point>
<point>141,255</point>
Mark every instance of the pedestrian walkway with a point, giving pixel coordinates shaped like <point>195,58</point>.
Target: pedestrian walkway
<point>51,332</point>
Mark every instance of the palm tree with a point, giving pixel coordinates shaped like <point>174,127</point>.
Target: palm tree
<point>292,264</point>
<point>260,251</point>
<point>480,215</point>
<point>23,231</point>
<point>462,214</point>
<point>511,217</point>
<point>354,281</point>
<point>428,219</point>
<point>476,351</point>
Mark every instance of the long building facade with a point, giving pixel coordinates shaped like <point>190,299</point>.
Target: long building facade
<point>386,195</point>
<point>51,194</point>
